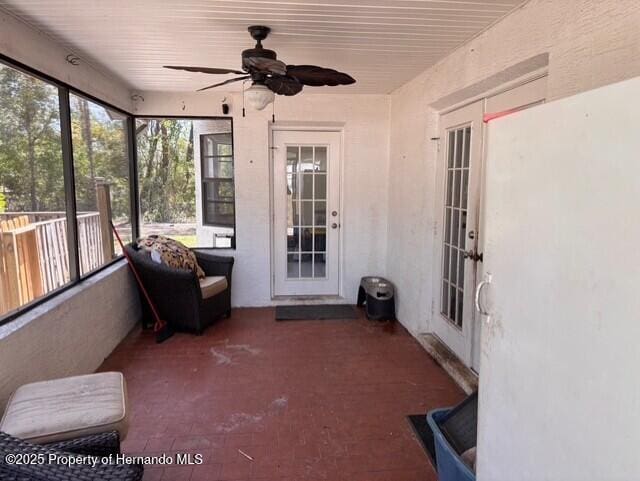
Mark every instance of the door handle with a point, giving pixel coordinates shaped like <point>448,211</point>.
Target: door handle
<point>479,288</point>
<point>334,226</point>
<point>473,255</point>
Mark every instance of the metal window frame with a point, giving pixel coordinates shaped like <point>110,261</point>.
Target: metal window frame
<point>66,145</point>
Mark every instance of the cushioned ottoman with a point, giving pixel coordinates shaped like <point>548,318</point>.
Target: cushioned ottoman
<point>61,409</point>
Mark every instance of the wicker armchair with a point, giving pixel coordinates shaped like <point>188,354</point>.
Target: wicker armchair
<point>177,293</point>
<point>40,469</point>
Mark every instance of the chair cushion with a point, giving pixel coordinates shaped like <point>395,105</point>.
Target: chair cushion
<point>61,409</point>
<point>212,285</point>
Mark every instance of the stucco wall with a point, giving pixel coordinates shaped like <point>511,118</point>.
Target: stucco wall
<point>71,333</point>
<point>24,44</point>
<point>590,43</point>
<point>364,220</point>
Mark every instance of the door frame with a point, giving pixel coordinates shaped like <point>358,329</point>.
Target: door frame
<point>284,126</point>
<point>477,135</point>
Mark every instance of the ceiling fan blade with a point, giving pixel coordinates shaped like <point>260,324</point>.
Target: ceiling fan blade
<point>283,85</point>
<point>205,69</point>
<point>265,65</point>
<point>237,79</point>
<point>318,76</point>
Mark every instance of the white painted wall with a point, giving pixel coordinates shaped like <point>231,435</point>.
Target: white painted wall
<point>364,220</point>
<point>24,44</point>
<point>590,43</point>
<point>71,333</point>
<point>559,395</point>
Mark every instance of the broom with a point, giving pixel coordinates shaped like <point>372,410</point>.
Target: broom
<point>160,327</point>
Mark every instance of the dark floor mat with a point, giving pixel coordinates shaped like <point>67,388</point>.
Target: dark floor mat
<point>315,312</point>
<point>418,423</point>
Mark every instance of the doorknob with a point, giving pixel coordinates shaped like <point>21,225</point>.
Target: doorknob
<point>473,255</point>
<point>334,226</point>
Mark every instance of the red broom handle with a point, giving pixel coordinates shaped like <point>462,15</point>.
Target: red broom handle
<point>159,324</point>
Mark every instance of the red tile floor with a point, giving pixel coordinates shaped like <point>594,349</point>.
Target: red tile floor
<point>276,401</point>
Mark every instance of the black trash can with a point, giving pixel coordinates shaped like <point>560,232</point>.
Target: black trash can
<point>377,294</point>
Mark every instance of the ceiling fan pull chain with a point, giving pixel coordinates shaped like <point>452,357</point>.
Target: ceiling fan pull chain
<point>273,112</point>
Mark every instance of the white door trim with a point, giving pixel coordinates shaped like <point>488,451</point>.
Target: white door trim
<point>295,126</point>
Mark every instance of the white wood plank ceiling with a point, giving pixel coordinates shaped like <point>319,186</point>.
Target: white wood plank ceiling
<point>381,43</point>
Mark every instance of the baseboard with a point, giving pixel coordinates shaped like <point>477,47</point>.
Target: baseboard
<point>461,374</point>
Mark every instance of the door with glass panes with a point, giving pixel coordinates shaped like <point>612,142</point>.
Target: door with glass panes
<point>460,163</point>
<point>306,213</point>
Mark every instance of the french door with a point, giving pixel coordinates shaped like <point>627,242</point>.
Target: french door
<point>306,215</point>
<point>460,170</point>
<point>460,241</point>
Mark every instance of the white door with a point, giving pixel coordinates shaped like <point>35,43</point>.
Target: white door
<point>460,241</point>
<point>459,169</point>
<point>306,215</point>
<point>560,357</point>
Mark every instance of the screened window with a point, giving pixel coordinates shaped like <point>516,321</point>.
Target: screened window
<point>33,225</point>
<point>101,169</point>
<point>218,192</point>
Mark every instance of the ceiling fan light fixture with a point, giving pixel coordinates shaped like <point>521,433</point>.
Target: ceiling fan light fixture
<point>259,96</point>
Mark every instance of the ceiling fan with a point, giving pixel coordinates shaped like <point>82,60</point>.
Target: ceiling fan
<point>271,76</point>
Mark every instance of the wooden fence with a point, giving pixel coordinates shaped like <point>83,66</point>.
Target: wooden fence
<point>34,253</point>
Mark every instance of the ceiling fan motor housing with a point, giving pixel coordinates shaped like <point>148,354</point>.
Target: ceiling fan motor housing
<point>258,33</point>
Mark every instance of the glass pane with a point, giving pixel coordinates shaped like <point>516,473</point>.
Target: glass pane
<point>449,187</point>
<point>306,159</point>
<point>306,239</point>
<point>293,267</point>
<point>320,163</point>
<point>452,302</point>
<point>293,239</point>
<point>457,184</point>
<point>451,148</point>
<point>101,168</point>
<point>459,143</point>
<point>209,146</point>
<point>220,213</point>
<point>320,181</point>
<point>467,146</point>
<point>454,266</point>
<point>461,263</point>
<point>447,225</point>
<point>463,229</point>
<point>320,240</point>
<point>465,188</point>
<point>320,210</point>
<point>445,263</point>
<point>218,167</point>
<point>459,309</point>
<point>444,306</point>
<point>295,213</point>
<point>219,190</point>
<point>306,265</point>
<point>454,227</point>
<point>306,186</point>
<point>307,213</point>
<point>320,265</point>
<point>31,191</point>
<point>292,159</point>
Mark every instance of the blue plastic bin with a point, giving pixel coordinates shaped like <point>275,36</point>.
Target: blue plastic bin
<point>450,466</point>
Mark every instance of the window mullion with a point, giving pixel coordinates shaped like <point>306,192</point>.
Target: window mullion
<point>69,183</point>
<point>132,148</point>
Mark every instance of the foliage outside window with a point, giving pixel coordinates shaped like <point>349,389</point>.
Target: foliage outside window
<point>101,170</point>
<point>166,178</point>
<point>33,225</point>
